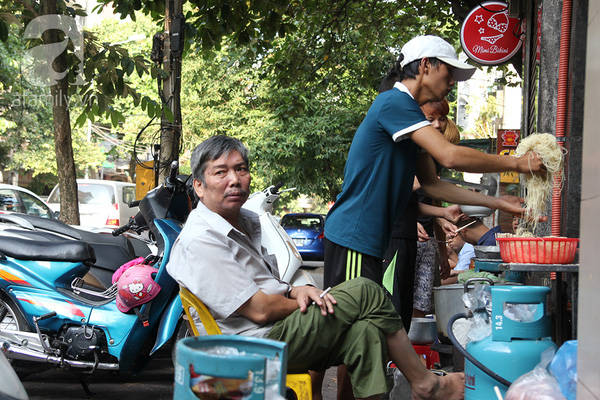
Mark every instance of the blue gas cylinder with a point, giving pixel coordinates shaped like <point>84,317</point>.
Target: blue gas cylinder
<point>516,343</point>
<point>229,366</point>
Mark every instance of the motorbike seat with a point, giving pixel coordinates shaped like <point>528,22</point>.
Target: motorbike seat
<point>111,252</point>
<point>60,250</point>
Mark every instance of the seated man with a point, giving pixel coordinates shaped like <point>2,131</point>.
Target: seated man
<point>477,233</point>
<point>465,253</point>
<point>473,233</point>
<point>219,258</point>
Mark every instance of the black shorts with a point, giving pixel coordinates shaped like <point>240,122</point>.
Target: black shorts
<point>404,276</point>
<point>343,264</point>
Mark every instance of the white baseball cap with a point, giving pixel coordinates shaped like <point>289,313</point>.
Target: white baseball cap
<point>434,46</point>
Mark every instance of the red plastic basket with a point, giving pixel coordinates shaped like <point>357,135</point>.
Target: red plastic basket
<point>536,250</point>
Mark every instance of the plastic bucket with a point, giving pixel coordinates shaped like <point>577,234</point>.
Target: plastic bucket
<point>229,366</point>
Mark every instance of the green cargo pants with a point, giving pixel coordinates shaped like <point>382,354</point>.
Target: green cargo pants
<point>355,335</point>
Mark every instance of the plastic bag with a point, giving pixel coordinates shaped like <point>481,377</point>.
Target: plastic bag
<point>479,301</point>
<point>521,312</point>
<point>461,329</point>
<point>538,384</point>
<point>564,368</point>
<point>273,369</point>
<point>401,389</point>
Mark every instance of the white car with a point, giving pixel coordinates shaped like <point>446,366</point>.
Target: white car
<point>21,200</point>
<point>102,204</point>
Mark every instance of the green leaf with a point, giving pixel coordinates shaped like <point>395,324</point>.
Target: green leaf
<point>101,103</point>
<point>150,110</point>
<point>81,119</point>
<point>114,118</point>
<point>129,67</point>
<point>120,85</point>
<point>3,30</point>
<point>145,102</point>
<point>107,88</point>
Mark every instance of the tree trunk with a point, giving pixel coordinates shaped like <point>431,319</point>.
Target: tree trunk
<point>171,130</point>
<point>132,165</point>
<point>63,147</point>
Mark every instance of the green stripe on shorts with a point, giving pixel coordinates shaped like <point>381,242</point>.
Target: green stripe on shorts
<point>348,265</point>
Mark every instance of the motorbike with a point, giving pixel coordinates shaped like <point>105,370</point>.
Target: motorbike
<point>58,304</point>
<point>275,239</point>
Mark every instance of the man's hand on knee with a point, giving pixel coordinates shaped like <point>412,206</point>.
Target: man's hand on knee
<point>306,295</point>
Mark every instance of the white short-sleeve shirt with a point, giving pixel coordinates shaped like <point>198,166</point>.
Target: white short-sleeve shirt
<point>225,267</point>
<point>464,257</point>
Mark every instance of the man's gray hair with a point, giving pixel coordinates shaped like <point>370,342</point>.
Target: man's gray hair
<point>213,148</point>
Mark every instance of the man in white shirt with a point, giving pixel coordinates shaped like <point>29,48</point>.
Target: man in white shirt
<point>218,257</point>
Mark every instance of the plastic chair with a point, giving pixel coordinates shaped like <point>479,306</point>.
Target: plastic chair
<point>431,357</point>
<point>300,384</point>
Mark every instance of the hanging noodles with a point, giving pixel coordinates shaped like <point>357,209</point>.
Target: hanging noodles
<point>539,187</point>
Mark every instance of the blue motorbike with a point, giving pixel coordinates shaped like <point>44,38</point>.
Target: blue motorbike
<point>57,301</point>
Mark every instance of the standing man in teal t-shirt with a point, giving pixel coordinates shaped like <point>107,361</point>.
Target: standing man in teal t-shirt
<point>394,143</point>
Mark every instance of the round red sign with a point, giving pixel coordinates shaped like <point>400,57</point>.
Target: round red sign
<point>488,35</point>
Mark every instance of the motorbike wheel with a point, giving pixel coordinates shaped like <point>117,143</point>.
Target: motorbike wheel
<point>10,317</point>
<point>183,331</point>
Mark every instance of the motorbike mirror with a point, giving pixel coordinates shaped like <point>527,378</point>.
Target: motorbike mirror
<point>171,180</point>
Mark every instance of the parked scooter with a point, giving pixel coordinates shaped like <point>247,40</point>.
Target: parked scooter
<point>110,251</point>
<point>275,239</point>
<point>51,312</point>
<point>58,307</point>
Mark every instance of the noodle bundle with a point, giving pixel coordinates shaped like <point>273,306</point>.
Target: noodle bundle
<point>539,187</point>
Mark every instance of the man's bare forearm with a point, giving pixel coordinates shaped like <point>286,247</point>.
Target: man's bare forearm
<point>466,159</point>
<point>442,190</point>
<point>263,308</point>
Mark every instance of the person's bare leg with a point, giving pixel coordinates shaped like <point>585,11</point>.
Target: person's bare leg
<point>418,313</point>
<point>344,386</point>
<point>424,384</point>
<point>316,378</point>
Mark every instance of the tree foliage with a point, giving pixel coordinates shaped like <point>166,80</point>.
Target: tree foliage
<point>27,109</point>
<point>298,104</point>
<point>291,79</point>
<point>488,118</point>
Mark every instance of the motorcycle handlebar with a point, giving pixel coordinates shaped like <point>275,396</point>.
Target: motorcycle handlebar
<point>123,228</point>
<point>173,172</point>
<point>276,188</point>
<point>134,203</point>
